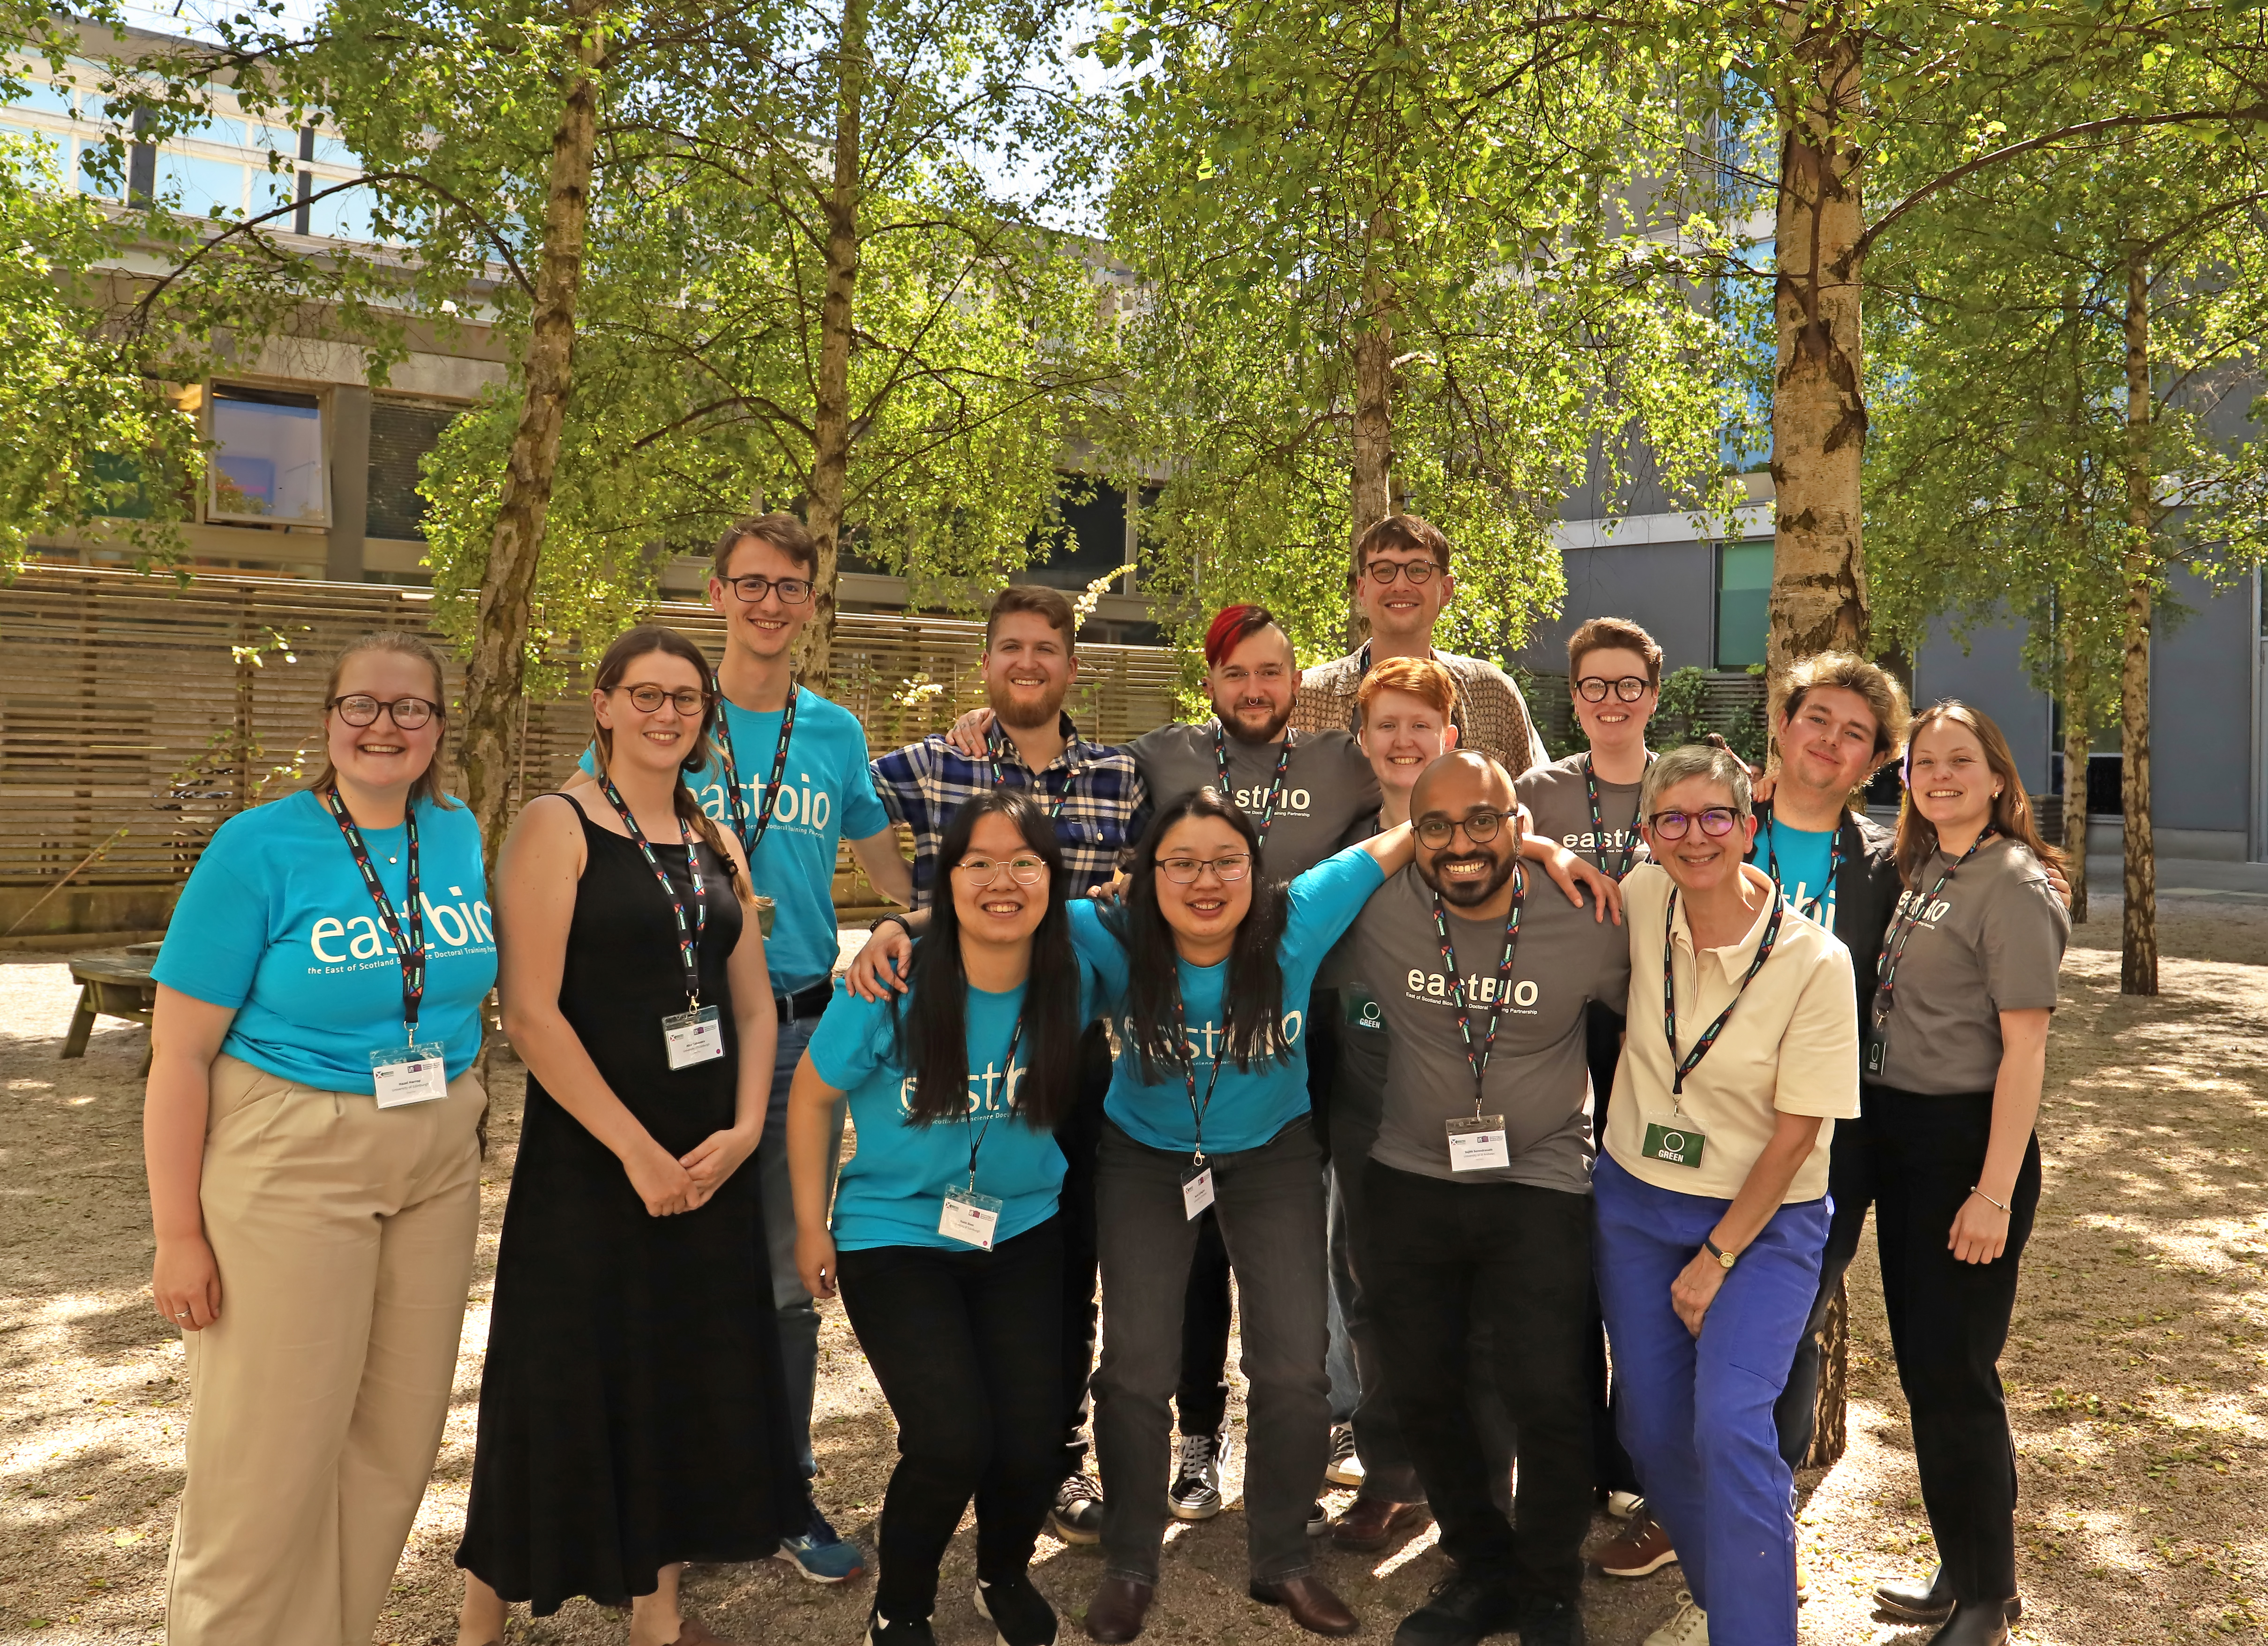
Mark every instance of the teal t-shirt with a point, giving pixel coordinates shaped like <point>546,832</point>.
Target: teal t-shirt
<point>826,792</point>
<point>1249,1106</point>
<point>276,924</point>
<point>893,1190</point>
<point>1799,859</point>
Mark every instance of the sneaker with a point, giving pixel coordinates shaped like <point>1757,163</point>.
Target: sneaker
<point>1076,1517</point>
<point>1319,1520</point>
<point>1345,1466</point>
<point>821,1556</point>
<point>1018,1613</point>
<point>1688,1627</point>
<point>1623,1505</point>
<point>1641,1550</point>
<point>1195,1494</point>
<point>902,1632</point>
<point>1460,1611</point>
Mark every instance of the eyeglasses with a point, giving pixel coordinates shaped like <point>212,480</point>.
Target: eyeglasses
<point>1183,871</point>
<point>983,871</point>
<point>1480,828</point>
<point>1417,573</point>
<point>1629,687</point>
<point>359,708</point>
<point>648,699</point>
<point>792,591</point>
<point>1714,820</point>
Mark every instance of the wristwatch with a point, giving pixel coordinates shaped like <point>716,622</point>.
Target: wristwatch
<point>898,920</point>
<point>1725,1259</point>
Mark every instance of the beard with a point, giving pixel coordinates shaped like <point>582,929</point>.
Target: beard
<point>1244,731</point>
<point>1469,893</point>
<point>1028,717</point>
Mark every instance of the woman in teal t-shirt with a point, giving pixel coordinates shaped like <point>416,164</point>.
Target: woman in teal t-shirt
<point>945,1230</point>
<point>311,1132</point>
<point>1208,1107</point>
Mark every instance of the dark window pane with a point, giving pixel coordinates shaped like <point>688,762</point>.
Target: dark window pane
<point>400,435</point>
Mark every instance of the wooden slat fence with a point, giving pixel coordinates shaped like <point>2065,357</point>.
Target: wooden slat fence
<point>138,713</point>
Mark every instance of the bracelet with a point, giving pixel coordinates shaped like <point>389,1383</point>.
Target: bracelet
<point>1978,1189</point>
<point>899,920</point>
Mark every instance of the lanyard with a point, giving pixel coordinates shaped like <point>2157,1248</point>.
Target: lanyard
<point>999,775</point>
<point>1599,823</point>
<point>1692,1059</point>
<point>1478,1060</point>
<point>1189,1076</point>
<point>1456,708</point>
<point>1275,784</point>
<point>689,939</point>
<point>1911,910</point>
<point>1811,908</point>
<point>977,1133</point>
<point>412,953</point>
<point>733,770</point>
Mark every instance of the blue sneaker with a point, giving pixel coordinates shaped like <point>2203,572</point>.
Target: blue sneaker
<point>819,1555</point>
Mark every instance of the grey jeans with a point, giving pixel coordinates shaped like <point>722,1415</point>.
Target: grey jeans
<point>1269,1202</point>
<point>798,1314</point>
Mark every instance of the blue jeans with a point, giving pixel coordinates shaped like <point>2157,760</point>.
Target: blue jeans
<point>1695,1413</point>
<point>798,1314</point>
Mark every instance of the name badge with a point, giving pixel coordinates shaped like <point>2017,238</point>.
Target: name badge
<point>694,1037</point>
<point>411,1073</point>
<point>1876,1049</point>
<point>1197,1191</point>
<point>1678,1144</point>
<point>1476,1143</point>
<point>969,1218</point>
<point>1362,1010</point>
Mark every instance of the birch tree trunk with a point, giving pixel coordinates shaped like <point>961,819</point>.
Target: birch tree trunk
<point>1371,497</point>
<point>1819,407</point>
<point>2137,957</point>
<point>830,428</point>
<point>495,671</point>
<point>2076,743</point>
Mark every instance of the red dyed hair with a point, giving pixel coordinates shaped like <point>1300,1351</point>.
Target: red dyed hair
<point>1230,627</point>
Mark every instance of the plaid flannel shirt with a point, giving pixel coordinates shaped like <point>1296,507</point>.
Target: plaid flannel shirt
<point>1104,802</point>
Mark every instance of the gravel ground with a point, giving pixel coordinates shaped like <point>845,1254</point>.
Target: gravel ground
<point>2135,1370</point>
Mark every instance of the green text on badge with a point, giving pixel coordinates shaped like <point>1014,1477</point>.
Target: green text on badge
<point>1678,1145</point>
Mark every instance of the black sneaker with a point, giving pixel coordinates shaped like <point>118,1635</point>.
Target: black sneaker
<point>1460,1611</point>
<point>1076,1516</point>
<point>1551,1620</point>
<point>1019,1613</point>
<point>898,1631</point>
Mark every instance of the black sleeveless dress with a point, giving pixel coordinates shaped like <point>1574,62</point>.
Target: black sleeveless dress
<point>632,1406</point>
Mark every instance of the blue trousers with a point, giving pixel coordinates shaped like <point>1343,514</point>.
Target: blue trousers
<point>1695,1413</point>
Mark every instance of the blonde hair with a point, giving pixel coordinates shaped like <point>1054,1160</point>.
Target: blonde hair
<point>427,784</point>
<point>1419,677</point>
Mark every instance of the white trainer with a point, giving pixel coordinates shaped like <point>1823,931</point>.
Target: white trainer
<point>1689,1628</point>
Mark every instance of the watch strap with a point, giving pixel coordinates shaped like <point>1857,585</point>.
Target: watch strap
<point>1724,1259</point>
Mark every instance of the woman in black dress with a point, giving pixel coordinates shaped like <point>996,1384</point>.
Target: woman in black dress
<point>632,1409</point>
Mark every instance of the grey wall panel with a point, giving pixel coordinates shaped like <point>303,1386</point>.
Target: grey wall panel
<point>2201,697</point>
<point>1669,589</point>
<point>1989,675</point>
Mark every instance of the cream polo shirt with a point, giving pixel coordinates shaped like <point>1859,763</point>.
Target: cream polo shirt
<point>1791,1045</point>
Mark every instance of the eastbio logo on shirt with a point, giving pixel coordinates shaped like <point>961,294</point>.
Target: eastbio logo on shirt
<point>1205,1040</point>
<point>1290,803</point>
<point>1599,840</point>
<point>1479,991</point>
<point>805,809</point>
<point>988,1093</point>
<point>349,944</point>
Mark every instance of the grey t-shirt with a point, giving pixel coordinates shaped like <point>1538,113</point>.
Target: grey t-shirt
<point>1327,785</point>
<point>1562,805</point>
<point>1537,1079</point>
<point>1989,943</point>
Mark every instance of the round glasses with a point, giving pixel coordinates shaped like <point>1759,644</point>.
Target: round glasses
<point>983,871</point>
<point>1417,573</point>
<point>792,591</point>
<point>648,699</point>
<point>1714,820</point>
<point>1629,687</point>
<point>1480,828</point>
<point>1183,871</point>
<point>359,708</point>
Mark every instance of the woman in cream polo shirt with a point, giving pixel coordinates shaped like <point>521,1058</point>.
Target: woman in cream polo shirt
<point>1711,1190</point>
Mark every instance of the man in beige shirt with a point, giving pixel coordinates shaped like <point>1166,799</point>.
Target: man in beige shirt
<point>1742,1052</point>
<point>1400,582</point>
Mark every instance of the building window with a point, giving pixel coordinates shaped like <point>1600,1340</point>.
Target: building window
<point>400,433</point>
<point>268,464</point>
<point>1744,574</point>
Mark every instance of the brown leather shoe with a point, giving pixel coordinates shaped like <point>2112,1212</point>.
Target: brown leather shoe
<point>1372,1522</point>
<point>1642,1549</point>
<point>1117,1612</point>
<point>1313,1608</point>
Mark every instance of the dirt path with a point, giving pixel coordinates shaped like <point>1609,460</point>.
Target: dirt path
<point>2136,1372</point>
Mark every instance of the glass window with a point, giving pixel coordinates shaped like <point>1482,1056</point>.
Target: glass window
<point>269,461</point>
<point>49,99</point>
<point>91,158</point>
<point>1744,574</point>
<point>344,216</point>
<point>194,186</point>
<point>37,155</point>
<point>272,190</point>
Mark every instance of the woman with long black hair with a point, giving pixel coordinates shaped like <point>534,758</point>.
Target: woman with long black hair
<point>1203,963</point>
<point>945,1239</point>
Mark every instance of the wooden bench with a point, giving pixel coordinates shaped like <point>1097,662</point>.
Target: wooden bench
<point>110,988</point>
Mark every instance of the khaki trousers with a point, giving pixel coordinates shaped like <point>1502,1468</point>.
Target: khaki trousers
<point>344,1237</point>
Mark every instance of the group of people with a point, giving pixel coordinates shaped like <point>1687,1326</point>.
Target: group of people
<point>1502,1095</point>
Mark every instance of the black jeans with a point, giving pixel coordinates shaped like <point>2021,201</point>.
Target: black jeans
<point>1076,1134</point>
<point>966,1345</point>
<point>1948,1322</point>
<point>1443,1259</point>
<point>1850,1192</point>
<point>1611,1469</point>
